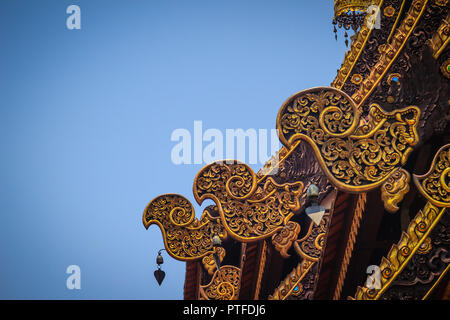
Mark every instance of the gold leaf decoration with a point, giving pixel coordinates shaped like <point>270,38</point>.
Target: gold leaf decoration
<point>284,238</point>
<point>435,184</point>
<point>185,237</point>
<point>355,156</point>
<point>223,286</point>
<point>292,285</point>
<point>394,189</point>
<point>251,208</point>
<point>414,240</point>
<point>208,261</point>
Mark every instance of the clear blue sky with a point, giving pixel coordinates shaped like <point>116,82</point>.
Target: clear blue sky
<point>86,118</point>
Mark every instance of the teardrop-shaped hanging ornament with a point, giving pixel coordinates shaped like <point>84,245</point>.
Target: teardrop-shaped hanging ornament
<point>159,276</point>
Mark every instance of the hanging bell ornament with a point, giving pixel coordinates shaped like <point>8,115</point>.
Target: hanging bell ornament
<point>216,240</point>
<point>159,259</point>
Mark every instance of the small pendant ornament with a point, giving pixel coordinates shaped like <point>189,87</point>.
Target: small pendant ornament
<point>159,276</point>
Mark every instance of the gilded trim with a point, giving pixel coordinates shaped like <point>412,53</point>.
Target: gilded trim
<point>427,295</point>
<point>441,38</point>
<point>402,252</point>
<point>435,184</point>
<point>391,52</point>
<point>292,282</point>
<point>356,48</point>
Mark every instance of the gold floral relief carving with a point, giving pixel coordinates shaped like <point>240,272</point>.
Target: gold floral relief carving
<point>208,261</point>
<point>435,184</point>
<point>224,285</point>
<point>394,189</point>
<point>310,246</point>
<point>185,237</point>
<point>251,208</point>
<point>356,156</point>
<point>283,239</point>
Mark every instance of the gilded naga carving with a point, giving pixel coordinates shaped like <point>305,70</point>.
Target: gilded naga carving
<point>356,155</point>
<point>251,208</point>
<point>185,237</point>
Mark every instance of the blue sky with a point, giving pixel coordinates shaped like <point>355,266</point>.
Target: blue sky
<point>86,118</point>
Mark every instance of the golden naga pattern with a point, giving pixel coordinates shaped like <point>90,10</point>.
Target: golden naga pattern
<point>208,261</point>
<point>224,285</point>
<point>355,156</point>
<point>435,184</point>
<point>185,237</point>
<point>251,208</point>
<point>282,241</point>
<point>394,189</point>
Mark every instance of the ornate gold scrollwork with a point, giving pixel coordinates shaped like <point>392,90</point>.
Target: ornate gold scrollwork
<point>223,286</point>
<point>355,157</point>
<point>309,249</point>
<point>251,208</point>
<point>185,237</point>
<point>435,184</point>
<point>282,241</point>
<point>208,261</point>
<point>310,246</point>
<point>394,189</point>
